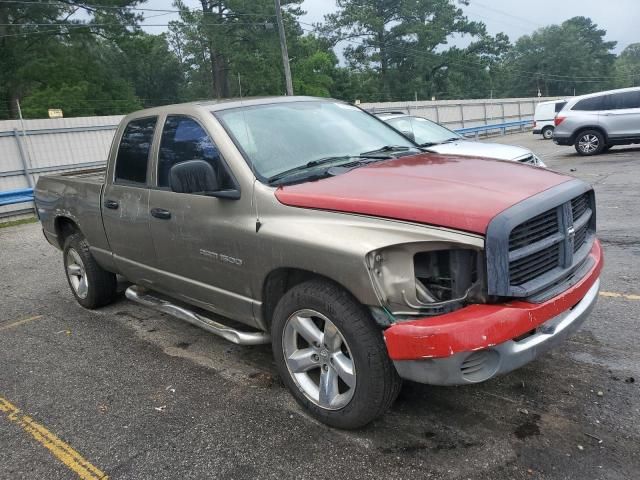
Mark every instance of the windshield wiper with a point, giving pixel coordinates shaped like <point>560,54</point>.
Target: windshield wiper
<point>306,166</point>
<point>452,139</point>
<point>386,148</point>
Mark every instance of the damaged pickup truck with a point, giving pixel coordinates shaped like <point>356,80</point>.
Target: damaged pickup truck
<point>313,225</point>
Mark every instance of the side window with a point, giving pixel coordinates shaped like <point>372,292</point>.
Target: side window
<point>133,152</point>
<point>620,101</point>
<point>560,106</point>
<point>590,104</point>
<point>183,139</point>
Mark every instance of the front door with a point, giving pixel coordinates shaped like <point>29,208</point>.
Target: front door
<point>199,239</point>
<point>621,115</point>
<point>125,209</point>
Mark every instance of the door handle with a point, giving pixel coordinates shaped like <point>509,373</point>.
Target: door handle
<point>112,204</point>
<point>161,213</point>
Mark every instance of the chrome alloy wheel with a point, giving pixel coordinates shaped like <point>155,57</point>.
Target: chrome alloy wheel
<point>77,274</point>
<point>318,359</point>
<point>588,143</point>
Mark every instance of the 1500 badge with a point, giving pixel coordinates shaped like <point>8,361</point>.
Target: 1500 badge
<point>220,257</point>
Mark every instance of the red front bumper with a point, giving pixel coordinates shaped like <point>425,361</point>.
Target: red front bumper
<point>481,326</point>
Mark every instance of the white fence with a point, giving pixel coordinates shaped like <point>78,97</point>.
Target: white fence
<point>48,146</point>
<point>456,114</point>
<point>57,145</point>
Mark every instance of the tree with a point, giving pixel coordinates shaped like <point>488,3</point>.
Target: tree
<point>224,40</point>
<point>313,66</point>
<point>44,50</point>
<point>403,41</point>
<point>628,66</point>
<point>560,60</point>
<point>153,69</point>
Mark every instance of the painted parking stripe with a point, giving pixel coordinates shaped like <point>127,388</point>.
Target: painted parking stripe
<point>620,295</point>
<point>61,450</point>
<point>20,322</point>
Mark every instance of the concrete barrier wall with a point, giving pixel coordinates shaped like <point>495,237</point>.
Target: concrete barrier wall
<point>465,113</point>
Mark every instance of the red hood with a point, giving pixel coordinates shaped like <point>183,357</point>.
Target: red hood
<point>462,193</point>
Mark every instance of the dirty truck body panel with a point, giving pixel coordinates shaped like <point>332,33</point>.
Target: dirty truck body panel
<point>454,264</point>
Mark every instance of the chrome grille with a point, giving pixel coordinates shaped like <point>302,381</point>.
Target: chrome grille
<point>580,238</point>
<point>533,230</point>
<point>547,247</point>
<point>532,266</point>
<point>579,205</point>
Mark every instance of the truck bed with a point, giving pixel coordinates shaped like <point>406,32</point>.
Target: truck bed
<point>75,195</point>
<point>91,175</point>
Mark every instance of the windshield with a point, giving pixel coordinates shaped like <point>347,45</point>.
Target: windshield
<point>425,131</point>
<point>279,137</point>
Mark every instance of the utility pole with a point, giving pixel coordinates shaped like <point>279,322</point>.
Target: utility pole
<point>283,49</point>
<point>27,160</point>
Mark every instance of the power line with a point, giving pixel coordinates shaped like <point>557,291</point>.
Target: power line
<point>135,9</point>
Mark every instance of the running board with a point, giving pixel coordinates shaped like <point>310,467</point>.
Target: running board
<point>143,297</point>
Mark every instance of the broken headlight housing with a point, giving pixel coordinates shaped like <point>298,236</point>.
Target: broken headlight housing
<point>427,279</point>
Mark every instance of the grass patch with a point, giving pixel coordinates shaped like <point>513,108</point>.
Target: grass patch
<point>22,221</point>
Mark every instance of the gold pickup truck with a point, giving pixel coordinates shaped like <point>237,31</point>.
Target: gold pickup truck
<point>310,224</point>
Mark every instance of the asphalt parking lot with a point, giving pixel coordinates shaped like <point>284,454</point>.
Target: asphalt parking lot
<point>130,393</point>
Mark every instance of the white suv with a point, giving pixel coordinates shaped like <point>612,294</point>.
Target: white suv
<point>594,123</point>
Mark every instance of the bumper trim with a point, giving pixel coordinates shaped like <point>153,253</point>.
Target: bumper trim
<point>502,358</point>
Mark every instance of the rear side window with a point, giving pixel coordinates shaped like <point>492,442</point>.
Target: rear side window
<point>183,139</point>
<point>133,152</point>
<point>590,104</point>
<point>560,106</point>
<point>620,101</point>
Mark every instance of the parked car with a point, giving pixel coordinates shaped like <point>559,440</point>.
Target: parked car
<point>544,116</point>
<point>594,123</point>
<point>440,139</point>
<point>322,230</point>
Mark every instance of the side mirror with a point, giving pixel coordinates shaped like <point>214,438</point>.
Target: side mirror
<point>198,177</point>
<point>409,135</point>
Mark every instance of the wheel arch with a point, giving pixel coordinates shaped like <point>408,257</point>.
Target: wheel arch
<point>590,127</point>
<point>280,280</point>
<point>64,227</point>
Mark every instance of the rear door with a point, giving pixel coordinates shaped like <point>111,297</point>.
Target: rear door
<point>200,240</point>
<point>125,201</point>
<point>620,115</point>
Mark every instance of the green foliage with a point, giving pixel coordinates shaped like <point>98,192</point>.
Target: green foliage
<point>560,59</point>
<point>403,40</point>
<point>627,66</point>
<point>102,63</point>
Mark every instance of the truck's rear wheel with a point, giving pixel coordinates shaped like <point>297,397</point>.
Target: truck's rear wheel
<point>331,355</point>
<point>92,285</point>
<point>547,133</point>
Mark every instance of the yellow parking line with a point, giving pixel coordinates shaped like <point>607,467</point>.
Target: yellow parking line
<point>20,322</point>
<point>61,450</point>
<point>620,295</point>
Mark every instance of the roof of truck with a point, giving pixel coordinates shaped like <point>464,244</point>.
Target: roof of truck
<point>224,104</point>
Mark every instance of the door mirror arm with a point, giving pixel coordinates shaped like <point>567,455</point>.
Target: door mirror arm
<point>228,194</point>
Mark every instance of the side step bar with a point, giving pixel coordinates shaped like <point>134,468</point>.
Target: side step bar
<point>143,297</point>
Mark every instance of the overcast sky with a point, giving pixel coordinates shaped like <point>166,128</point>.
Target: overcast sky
<point>620,18</point>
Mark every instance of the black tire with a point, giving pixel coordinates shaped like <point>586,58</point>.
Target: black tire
<point>547,133</point>
<point>377,383</point>
<point>101,286</point>
<point>589,142</point>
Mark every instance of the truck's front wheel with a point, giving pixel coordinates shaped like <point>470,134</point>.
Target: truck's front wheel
<point>92,285</point>
<point>332,356</point>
